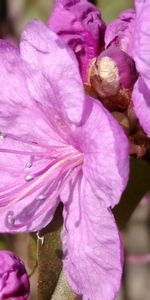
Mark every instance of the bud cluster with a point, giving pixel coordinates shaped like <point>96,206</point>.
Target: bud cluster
<point>114,76</point>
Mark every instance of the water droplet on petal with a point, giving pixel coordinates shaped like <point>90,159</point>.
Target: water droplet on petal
<point>10,219</point>
<point>41,197</point>
<point>3,135</point>
<point>28,178</point>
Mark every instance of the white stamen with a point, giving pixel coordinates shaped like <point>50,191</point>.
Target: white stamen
<point>10,219</point>
<point>40,238</point>
<point>41,197</point>
<point>41,179</point>
<point>28,178</point>
<point>2,135</point>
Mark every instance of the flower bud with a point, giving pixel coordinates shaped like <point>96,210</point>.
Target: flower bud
<point>83,30</point>
<point>112,73</point>
<point>14,282</point>
<point>119,31</point>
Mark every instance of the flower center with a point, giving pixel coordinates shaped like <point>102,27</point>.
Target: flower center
<point>61,161</point>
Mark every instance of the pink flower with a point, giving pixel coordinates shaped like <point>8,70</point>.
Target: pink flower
<point>119,32</point>
<point>83,29</point>
<point>14,282</point>
<point>59,145</point>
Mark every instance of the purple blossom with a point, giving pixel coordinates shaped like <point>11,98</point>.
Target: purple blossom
<point>141,49</point>
<point>83,29</point>
<point>119,31</point>
<point>59,145</point>
<point>14,282</point>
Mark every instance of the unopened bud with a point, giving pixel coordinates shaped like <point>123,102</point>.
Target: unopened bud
<point>119,32</point>
<point>112,73</point>
<point>14,282</point>
<point>83,30</point>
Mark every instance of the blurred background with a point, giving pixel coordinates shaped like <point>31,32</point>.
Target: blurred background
<point>136,279</point>
<point>18,12</point>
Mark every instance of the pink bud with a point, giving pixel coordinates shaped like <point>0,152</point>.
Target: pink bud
<point>14,282</point>
<point>112,71</point>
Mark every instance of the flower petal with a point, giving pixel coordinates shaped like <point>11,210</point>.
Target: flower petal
<point>119,31</point>
<point>141,101</point>
<point>28,215</point>
<point>25,131</point>
<point>83,29</point>
<point>34,211</point>
<point>53,74</point>
<point>139,5</point>
<point>106,153</point>
<point>92,248</point>
<point>26,148</point>
<point>141,40</point>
